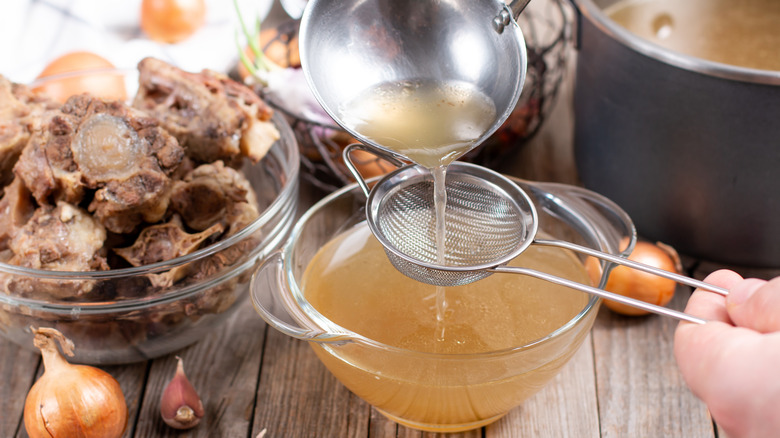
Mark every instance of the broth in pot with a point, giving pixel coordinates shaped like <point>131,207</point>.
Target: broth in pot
<point>745,33</point>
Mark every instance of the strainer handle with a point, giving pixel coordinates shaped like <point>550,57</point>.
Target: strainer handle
<point>635,265</point>
<point>600,293</point>
<point>354,170</point>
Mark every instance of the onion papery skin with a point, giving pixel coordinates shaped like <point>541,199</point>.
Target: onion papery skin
<point>74,401</point>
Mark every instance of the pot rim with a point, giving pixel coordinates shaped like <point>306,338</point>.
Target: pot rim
<point>597,17</point>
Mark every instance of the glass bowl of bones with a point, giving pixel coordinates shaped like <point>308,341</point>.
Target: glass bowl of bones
<point>133,225</point>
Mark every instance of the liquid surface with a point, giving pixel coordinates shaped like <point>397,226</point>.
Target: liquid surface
<point>745,33</point>
<point>430,123</point>
<point>352,283</point>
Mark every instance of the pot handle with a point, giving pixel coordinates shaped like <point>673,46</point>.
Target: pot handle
<point>272,299</point>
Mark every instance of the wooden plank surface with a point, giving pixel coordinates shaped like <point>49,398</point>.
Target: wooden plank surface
<point>639,385</point>
<point>297,396</point>
<point>566,407</point>
<point>224,368</point>
<point>252,378</point>
<point>18,369</point>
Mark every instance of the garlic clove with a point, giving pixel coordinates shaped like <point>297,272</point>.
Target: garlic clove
<point>180,406</point>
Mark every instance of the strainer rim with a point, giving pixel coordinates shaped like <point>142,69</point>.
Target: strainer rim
<point>415,170</point>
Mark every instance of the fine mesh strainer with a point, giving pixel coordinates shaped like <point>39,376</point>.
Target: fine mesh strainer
<point>489,221</point>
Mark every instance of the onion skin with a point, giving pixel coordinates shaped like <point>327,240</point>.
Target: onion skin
<point>74,401</point>
<point>105,85</point>
<point>640,285</point>
<point>172,21</point>
<point>276,47</point>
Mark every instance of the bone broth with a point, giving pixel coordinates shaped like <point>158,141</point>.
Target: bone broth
<point>745,33</point>
<point>351,282</point>
<point>431,123</point>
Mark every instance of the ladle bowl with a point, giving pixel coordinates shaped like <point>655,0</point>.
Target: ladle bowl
<point>349,46</point>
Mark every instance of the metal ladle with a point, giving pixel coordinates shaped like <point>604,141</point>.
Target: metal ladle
<point>349,46</point>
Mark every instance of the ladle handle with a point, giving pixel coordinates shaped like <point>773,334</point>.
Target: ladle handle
<point>600,293</point>
<point>508,13</point>
<point>517,7</point>
<point>635,265</point>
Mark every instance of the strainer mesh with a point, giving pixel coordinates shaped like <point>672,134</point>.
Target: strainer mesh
<point>482,225</point>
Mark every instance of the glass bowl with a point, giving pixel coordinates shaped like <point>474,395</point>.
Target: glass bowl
<point>129,317</point>
<point>439,392</point>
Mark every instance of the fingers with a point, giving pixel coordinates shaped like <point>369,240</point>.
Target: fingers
<point>755,304</point>
<point>711,306</point>
<point>694,342</point>
<point>727,366</point>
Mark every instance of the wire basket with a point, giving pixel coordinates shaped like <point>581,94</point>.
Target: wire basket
<point>545,25</point>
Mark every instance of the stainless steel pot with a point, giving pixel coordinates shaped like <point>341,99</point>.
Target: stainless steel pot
<point>689,148</point>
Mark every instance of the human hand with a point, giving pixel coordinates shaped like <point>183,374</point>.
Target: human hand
<point>732,362</point>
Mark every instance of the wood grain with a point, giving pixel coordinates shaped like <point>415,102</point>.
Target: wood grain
<point>297,396</point>
<point>18,371</point>
<point>623,382</point>
<point>639,385</point>
<point>566,407</point>
<point>132,379</point>
<point>223,368</point>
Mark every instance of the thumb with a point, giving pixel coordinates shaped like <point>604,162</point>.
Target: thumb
<point>755,304</point>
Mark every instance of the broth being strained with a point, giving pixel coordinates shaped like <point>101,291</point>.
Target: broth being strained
<point>431,123</point>
<point>351,282</point>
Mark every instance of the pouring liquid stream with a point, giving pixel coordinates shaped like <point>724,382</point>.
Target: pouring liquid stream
<point>431,123</point>
<point>440,203</point>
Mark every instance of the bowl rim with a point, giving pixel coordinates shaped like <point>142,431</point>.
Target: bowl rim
<point>285,150</point>
<point>318,320</point>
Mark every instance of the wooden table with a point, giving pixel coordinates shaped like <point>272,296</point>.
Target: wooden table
<point>623,382</point>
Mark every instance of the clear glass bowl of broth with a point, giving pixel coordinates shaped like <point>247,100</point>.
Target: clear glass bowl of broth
<point>436,359</point>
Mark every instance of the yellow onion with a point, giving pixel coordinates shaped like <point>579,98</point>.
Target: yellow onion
<point>640,285</point>
<point>74,401</point>
<point>172,21</point>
